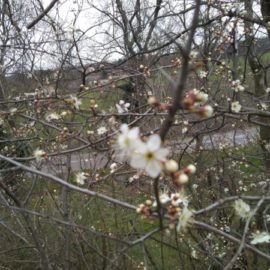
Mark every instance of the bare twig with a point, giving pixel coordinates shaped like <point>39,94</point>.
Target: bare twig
<point>41,15</point>
<point>70,186</point>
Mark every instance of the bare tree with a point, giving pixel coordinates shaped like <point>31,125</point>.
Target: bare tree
<point>179,181</point>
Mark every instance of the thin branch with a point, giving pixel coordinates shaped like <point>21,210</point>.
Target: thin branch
<point>242,244</point>
<point>202,225</point>
<point>68,185</point>
<point>41,15</point>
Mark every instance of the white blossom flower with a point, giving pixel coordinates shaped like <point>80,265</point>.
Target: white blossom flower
<point>184,220</point>
<point>164,198</point>
<point>52,116</point>
<point>128,139</point>
<point>149,156</point>
<point>39,154</point>
<point>133,178</point>
<point>179,199</point>
<point>122,107</point>
<point>193,54</point>
<point>236,85</point>
<point>90,132</point>
<point>29,76</point>
<point>193,254</point>
<point>264,106</point>
<point>236,106</point>
<point>176,199</point>
<point>76,102</point>
<point>260,237</point>
<point>101,130</point>
<point>80,178</point>
<point>267,90</point>
<point>1,121</point>
<point>184,130</point>
<point>267,147</point>
<point>242,209</point>
<point>202,74</point>
<point>12,111</point>
<point>112,120</point>
<point>113,167</point>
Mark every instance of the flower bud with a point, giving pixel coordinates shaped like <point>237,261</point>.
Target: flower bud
<point>191,169</point>
<point>202,97</point>
<point>182,178</point>
<point>206,111</point>
<point>152,101</point>
<point>171,165</point>
<point>148,202</point>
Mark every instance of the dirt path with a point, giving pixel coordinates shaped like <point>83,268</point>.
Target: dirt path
<point>213,141</point>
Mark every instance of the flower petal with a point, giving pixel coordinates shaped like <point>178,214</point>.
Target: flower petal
<point>134,133</point>
<point>124,128</point>
<point>259,238</point>
<point>153,168</point>
<point>153,142</point>
<point>119,108</point>
<point>137,161</point>
<point>162,153</point>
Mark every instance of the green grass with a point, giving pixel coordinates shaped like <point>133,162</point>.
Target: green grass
<point>97,216</point>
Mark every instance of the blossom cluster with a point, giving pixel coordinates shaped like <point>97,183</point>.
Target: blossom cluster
<point>81,177</point>
<point>195,102</point>
<point>145,70</point>
<point>40,154</point>
<point>122,107</point>
<point>150,156</point>
<point>175,207</point>
<point>74,102</point>
<point>152,101</point>
<point>236,106</point>
<point>242,209</point>
<point>237,86</point>
<point>260,238</point>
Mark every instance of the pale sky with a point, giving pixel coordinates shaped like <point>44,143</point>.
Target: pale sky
<point>64,13</point>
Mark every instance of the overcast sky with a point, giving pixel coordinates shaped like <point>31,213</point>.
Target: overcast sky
<point>64,13</point>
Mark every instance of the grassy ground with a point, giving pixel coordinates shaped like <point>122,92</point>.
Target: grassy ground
<point>233,168</point>
<point>91,244</point>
